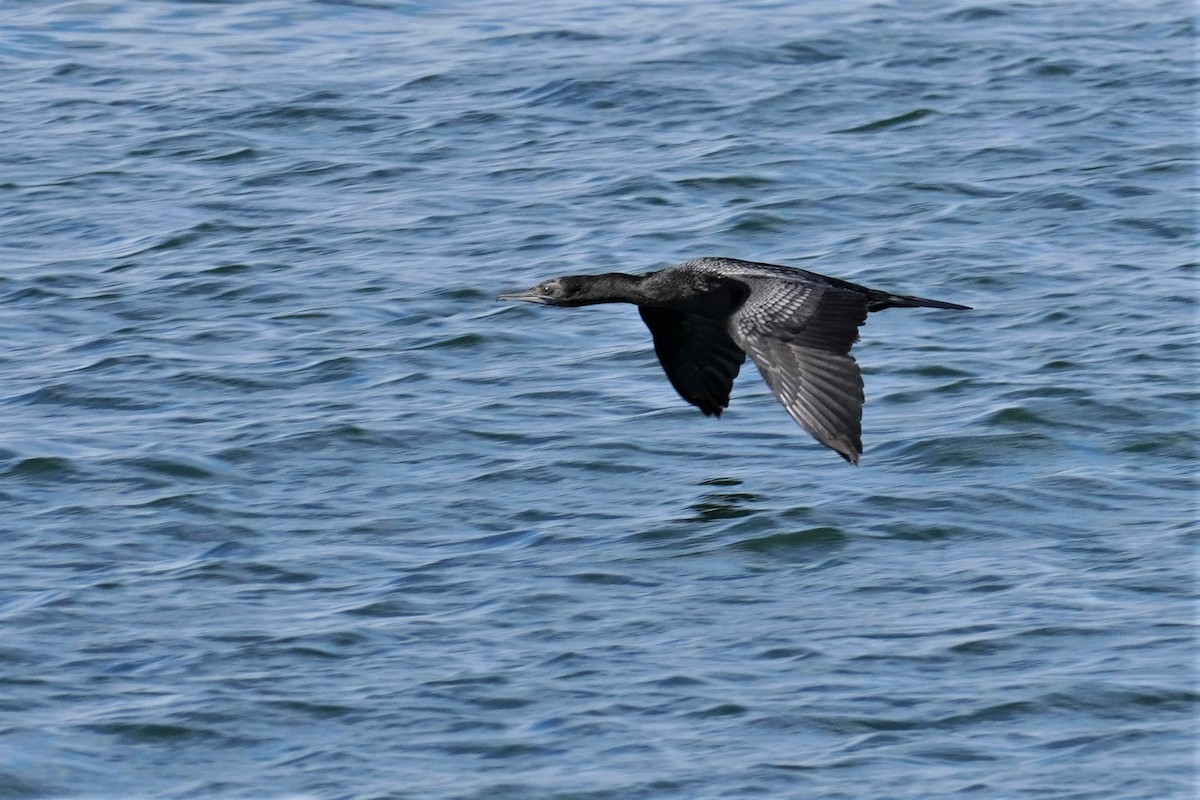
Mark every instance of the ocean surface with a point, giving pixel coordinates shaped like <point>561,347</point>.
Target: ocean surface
<point>291,507</point>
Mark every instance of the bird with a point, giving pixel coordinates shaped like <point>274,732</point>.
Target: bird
<point>705,315</point>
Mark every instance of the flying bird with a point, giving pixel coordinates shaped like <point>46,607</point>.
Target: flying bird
<point>707,314</point>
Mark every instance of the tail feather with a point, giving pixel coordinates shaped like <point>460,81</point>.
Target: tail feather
<point>877,301</point>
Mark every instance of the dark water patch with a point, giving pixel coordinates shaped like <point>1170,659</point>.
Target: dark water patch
<point>957,189</point>
<point>787,653</point>
<point>334,644</point>
<point>506,539</point>
<point>1056,69</point>
<point>1057,200</point>
<point>295,172</point>
<point>791,767</point>
<point>231,156</point>
<point>42,467</point>
<point>198,232</point>
<point>465,294</point>
<point>857,726</point>
<point>15,787</point>
<point>709,183</point>
<point>155,732</point>
<point>1129,190</point>
<point>385,609</point>
<point>1183,445</point>
<point>465,341</point>
<point>998,712</point>
<point>482,679</point>
<point>676,682</point>
<point>522,472</point>
<point>189,469</point>
<point>806,52</point>
<point>220,382</point>
<point>611,95</point>
<point>724,505</point>
<point>432,80</point>
<point>551,36</point>
<point>501,703</point>
<point>727,56</point>
<point>1156,228</point>
<point>670,536</point>
<point>980,647</point>
<point>722,481</point>
<point>1015,416</point>
<point>720,710</point>
<point>302,111</point>
<point>898,121</point>
<point>609,579</point>
<point>923,533</point>
<point>804,541</point>
<point>930,370</point>
<point>272,573</point>
<point>755,222</point>
<point>335,369</point>
<point>304,316</point>
<point>1114,702</point>
<point>498,752</point>
<point>606,466</point>
<point>29,293</point>
<point>320,711</point>
<point>976,14</point>
<point>969,450</point>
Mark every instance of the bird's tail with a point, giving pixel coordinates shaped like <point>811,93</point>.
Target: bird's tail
<point>877,301</point>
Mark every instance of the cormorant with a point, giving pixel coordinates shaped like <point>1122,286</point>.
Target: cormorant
<point>706,314</point>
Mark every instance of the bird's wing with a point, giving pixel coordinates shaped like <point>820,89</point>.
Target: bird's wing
<point>696,352</point>
<point>800,334</point>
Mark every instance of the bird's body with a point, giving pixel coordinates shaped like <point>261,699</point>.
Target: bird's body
<point>707,314</point>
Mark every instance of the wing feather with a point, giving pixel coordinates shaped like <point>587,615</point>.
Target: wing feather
<point>799,335</point>
<point>698,355</point>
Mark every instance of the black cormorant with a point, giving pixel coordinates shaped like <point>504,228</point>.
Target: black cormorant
<point>705,315</point>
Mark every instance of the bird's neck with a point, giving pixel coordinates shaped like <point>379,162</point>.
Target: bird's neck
<point>615,287</point>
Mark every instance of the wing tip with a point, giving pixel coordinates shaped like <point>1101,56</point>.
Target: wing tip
<point>711,407</point>
<point>845,449</point>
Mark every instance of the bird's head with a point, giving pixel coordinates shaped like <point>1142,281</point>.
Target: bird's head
<point>571,290</point>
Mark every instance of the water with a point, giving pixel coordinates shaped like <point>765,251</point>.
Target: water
<point>293,508</point>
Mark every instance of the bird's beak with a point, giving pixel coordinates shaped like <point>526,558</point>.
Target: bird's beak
<point>527,296</point>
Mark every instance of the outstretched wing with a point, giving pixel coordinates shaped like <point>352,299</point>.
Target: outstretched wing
<point>698,355</point>
<point>800,334</point>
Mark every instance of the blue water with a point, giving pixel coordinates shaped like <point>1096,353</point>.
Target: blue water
<point>293,508</point>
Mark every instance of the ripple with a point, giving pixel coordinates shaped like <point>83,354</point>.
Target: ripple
<point>724,505</point>
<point>47,467</point>
<point>554,35</point>
<point>899,120</point>
<point>155,732</point>
<point>820,538</point>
